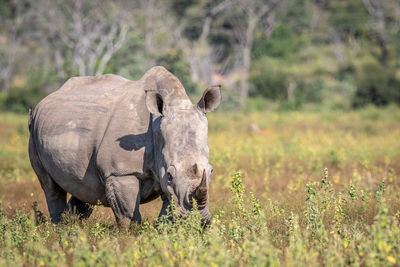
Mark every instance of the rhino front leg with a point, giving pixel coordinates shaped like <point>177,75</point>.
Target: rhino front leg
<point>124,198</point>
<point>165,208</point>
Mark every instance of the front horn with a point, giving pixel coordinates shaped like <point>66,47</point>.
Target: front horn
<point>201,191</point>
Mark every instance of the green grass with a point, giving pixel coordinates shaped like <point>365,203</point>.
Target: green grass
<point>304,189</point>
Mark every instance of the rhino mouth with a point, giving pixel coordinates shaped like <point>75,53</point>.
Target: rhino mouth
<point>205,215</point>
<point>186,206</point>
<point>184,202</point>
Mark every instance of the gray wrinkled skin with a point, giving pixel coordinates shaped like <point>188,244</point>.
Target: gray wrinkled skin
<point>122,143</point>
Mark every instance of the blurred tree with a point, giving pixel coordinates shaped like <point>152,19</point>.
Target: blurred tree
<point>377,85</point>
<point>20,98</point>
<point>15,17</point>
<point>153,32</point>
<point>269,81</point>
<point>376,10</point>
<point>243,28</point>
<point>89,32</point>
<point>282,43</point>
<point>149,6</point>
<point>347,17</point>
<point>174,62</point>
<point>297,50</point>
<point>392,10</point>
<point>201,56</point>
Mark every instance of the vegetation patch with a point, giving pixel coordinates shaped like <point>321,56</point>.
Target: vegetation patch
<point>300,189</point>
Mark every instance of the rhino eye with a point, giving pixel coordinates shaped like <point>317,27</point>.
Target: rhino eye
<point>170,179</point>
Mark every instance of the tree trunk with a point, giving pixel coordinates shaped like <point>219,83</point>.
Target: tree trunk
<point>382,41</point>
<point>339,51</point>
<point>148,38</point>
<point>9,70</point>
<point>290,90</point>
<point>59,62</point>
<point>244,83</point>
<point>200,61</point>
<point>14,41</point>
<point>376,10</point>
<point>204,52</point>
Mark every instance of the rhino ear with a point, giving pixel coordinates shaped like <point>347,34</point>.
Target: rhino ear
<point>211,99</point>
<point>154,103</point>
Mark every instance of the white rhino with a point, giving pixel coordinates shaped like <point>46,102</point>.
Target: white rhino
<point>122,143</point>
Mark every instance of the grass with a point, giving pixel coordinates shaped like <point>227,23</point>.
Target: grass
<point>304,189</point>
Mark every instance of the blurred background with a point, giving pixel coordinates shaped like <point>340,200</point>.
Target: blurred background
<point>267,54</point>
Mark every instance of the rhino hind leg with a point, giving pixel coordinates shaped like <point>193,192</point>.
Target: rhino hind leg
<point>56,198</point>
<point>124,198</point>
<point>82,209</point>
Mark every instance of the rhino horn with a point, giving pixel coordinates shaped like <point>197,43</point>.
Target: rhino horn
<point>201,192</point>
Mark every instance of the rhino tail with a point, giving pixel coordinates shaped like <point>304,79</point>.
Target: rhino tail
<point>30,119</point>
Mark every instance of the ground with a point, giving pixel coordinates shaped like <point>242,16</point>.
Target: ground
<point>291,188</point>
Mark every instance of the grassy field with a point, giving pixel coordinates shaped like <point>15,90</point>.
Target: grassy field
<point>292,188</point>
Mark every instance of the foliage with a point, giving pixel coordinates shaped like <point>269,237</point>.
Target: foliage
<point>20,98</point>
<point>281,44</point>
<point>324,47</point>
<point>377,85</point>
<point>269,81</point>
<point>349,17</point>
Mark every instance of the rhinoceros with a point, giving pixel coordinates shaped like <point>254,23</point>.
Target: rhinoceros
<point>120,143</point>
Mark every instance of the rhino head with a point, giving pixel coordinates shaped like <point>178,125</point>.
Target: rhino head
<point>180,133</point>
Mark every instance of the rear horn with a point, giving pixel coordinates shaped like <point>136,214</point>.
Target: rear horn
<point>195,169</point>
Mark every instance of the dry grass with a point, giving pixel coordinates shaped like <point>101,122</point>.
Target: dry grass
<point>278,162</point>
<point>289,150</point>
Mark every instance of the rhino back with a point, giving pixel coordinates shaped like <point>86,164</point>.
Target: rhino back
<point>90,128</point>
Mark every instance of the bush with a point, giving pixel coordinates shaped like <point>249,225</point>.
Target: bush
<point>255,104</point>
<point>376,85</point>
<point>312,92</point>
<point>268,81</point>
<point>21,97</point>
<point>281,44</point>
<point>272,83</point>
<point>2,101</point>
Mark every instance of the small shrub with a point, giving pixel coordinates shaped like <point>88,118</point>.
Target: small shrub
<point>268,81</point>
<point>376,85</point>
